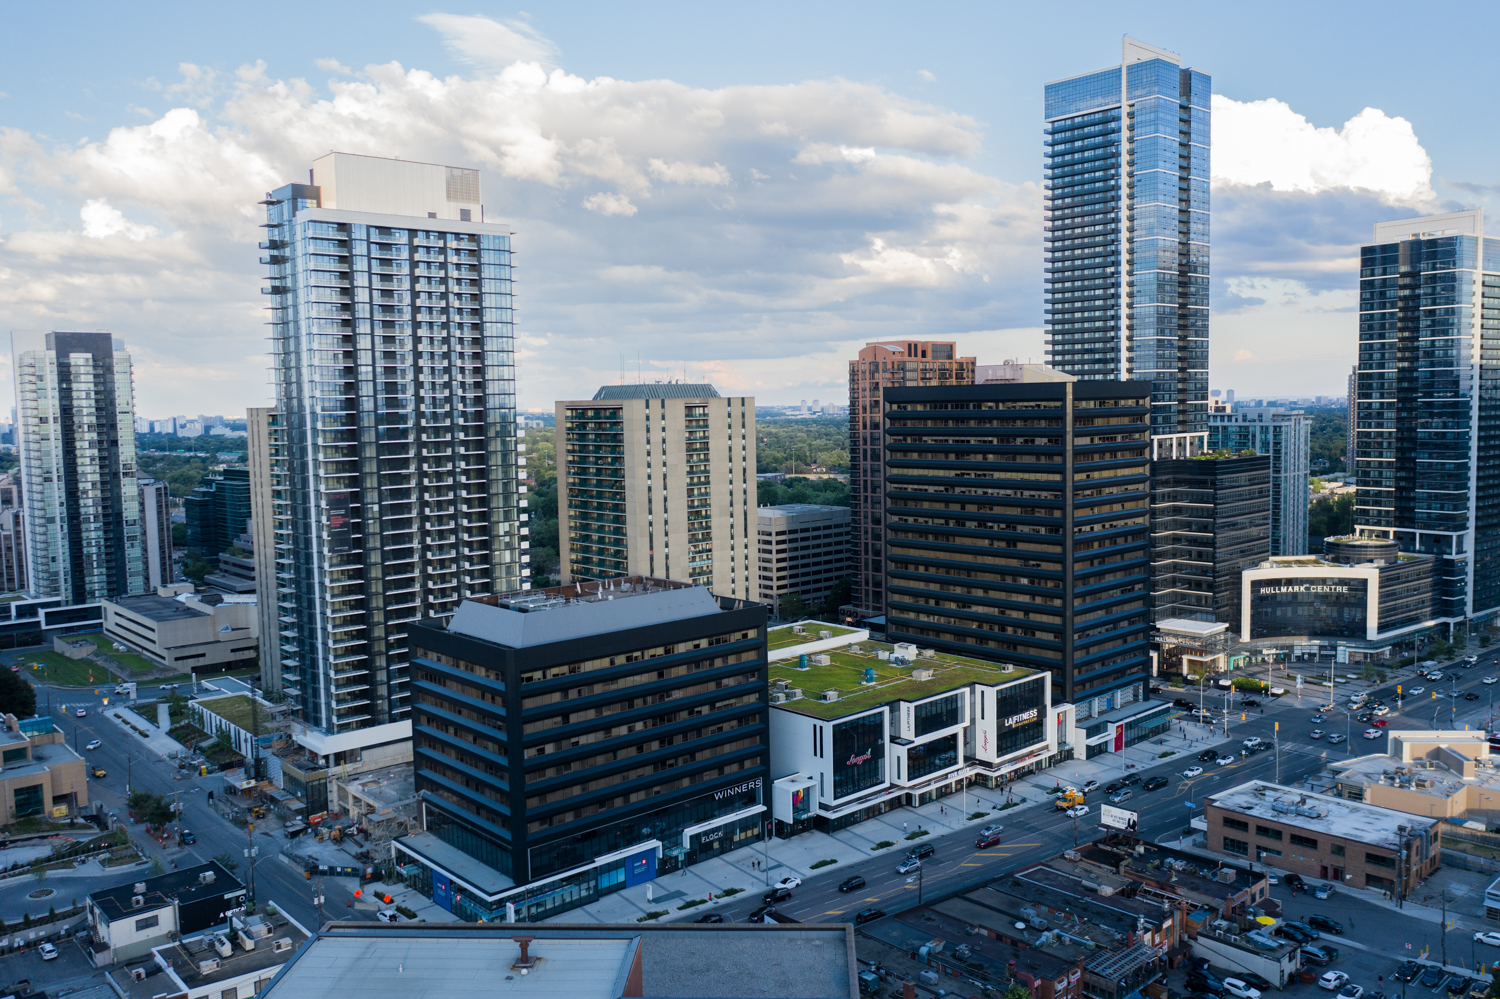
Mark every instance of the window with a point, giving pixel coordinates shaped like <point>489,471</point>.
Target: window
<point>1262,852</point>
<point>1239,824</point>
<point>1377,860</point>
<point>934,715</point>
<point>146,923</point>
<point>1336,849</point>
<point>1266,832</point>
<point>1306,841</point>
<point>1238,846</point>
<point>28,801</point>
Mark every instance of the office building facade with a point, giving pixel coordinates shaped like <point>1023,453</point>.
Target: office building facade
<point>218,511</point>
<point>1210,521</point>
<point>1287,438</point>
<point>1016,520</point>
<point>658,480</point>
<point>156,532</point>
<point>879,366</point>
<point>802,549</point>
<point>394,482</point>
<point>573,741</point>
<point>1427,437</point>
<point>1127,232</point>
<point>76,405</point>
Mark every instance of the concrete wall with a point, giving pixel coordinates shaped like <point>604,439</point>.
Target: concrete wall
<point>1277,969</point>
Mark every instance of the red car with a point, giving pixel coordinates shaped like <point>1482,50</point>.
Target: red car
<point>984,842</point>
<point>1379,723</point>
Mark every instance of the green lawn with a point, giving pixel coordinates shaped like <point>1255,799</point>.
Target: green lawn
<point>61,671</point>
<point>236,710</point>
<point>784,637</point>
<point>134,663</point>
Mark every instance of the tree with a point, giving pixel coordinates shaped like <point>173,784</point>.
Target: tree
<point>837,597</point>
<point>39,869</point>
<point>227,861</point>
<point>179,535</point>
<point>195,567</point>
<point>792,607</point>
<point>17,697</point>
<point>1017,991</point>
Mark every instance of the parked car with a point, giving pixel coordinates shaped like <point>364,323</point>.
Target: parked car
<point>912,863</point>
<point>1154,783</point>
<point>852,884</point>
<point>1491,937</point>
<point>867,915</point>
<point>95,744</point>
<point>1322,922</point>
<point>47,951</point>
<point>1273,878</point>
<point>789,882</point>
<point>1322,891</point>
<point>776,895</point>
<point>1203,982</point>
<point>1409,969</point>
<point>1253,979</point>
<point>993,829</point>
<point>1294,879</point>
<point>186,838</point>
<point>921,850</point>
<point>1193,772</point>
<point>1315,955</point>
<point>985,842</point>
<point>1241,989</point>
<point>388,916</point>
<point>1200,964</point>
<point>1316,733</point>
<point>1432,976</point>
<point>710,917</point>
<point>1078,811</point>
<point>98,772</point>
<point>1333,980</point>
<point>1304,927</point>
<point>1351,991</point>
<point>1288,932</point>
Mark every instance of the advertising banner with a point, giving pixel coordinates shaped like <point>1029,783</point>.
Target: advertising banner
<point>1117,818</point>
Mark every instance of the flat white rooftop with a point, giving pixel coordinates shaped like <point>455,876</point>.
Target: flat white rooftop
<point>1340,817</point>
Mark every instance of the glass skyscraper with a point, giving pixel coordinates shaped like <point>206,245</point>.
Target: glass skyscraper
<point>1127,234</point>
<point>393,485</point>
<point>1427,399</point>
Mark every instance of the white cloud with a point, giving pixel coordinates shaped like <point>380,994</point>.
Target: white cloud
<point>927,75</point>
<point>1266,142</point>
<point>332,66</point>
<point>689,173</point>
<point>492,44</point>
<point>606,203</point>
<point>102,220</point>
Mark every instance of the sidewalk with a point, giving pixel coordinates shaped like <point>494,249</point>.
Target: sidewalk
<point>157,741</point>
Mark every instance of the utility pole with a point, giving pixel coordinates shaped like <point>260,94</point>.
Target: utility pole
<point>177,814</point>
<point>1445,927</point>
<point>250,856</point>
<point>129,758</point>
<point>318,901</point>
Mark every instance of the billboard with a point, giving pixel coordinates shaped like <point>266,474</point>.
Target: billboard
<point>339,533</point>
<point>1117,818</point>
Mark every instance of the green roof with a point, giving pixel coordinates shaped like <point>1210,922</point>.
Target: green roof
<point>846,670</point>
<point>784,637</point>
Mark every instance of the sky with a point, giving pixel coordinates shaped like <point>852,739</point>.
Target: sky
<point>735,193</point>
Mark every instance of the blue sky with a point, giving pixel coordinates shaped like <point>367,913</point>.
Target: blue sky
<point>739,193</point>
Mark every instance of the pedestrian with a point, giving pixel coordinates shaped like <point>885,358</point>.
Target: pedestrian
<point>903,825</point>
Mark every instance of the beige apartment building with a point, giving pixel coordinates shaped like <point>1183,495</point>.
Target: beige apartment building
<point>658,480</point>
<point>879,366</point>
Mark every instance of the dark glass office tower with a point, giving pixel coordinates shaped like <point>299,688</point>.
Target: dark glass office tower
<point>1127,231</point>
<point>1016,522</point>
<point>1427,411</point>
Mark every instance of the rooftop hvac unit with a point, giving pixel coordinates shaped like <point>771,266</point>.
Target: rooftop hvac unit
<point>825,634</point>
<point>1106,889</point>
<point>882,655</point>
<point>1037,923</point>
<point>1028,911</point>
<point>921,674</point>
<point>797,629</point>
<point>822,659</point>
<point>140,888</point>
<point>777,697</point>
<point>794,693</point>
<point>206,878</point>
<point>1007,668</point>
<point>136,901</point>
<point>830,695</point>
<point>281,946</point>
<point>207,967</point>
<point>139,974</point>
<point>930,653</point>
<point>1225,874</point>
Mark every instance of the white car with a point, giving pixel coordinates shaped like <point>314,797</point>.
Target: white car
<point>1193,772</point>
<point>1373,733</point>
<point>991,830</point>
<point>1381,711</point>
<point>1224,761</point>
<point>1273,878</point>
<point>1078,811</point>
<point>48,952</point>
<point>1241,989</point>
<point>1316,733</point>
<point>1092,785</point>
<point>1333,980</point>
<point>1413,692</point>
<point>1492,938</point>
<point>388,916</point>
<point>1488,680</point>
<point>95,744</point>
<point>790,881</point>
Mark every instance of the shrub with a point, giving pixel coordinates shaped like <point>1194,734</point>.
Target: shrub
<point>821,863</point>
<point>653,914</point>
<point>918,833</point>
<point>978,815</point>
<point>1170,752</point>
<point>730,891</point>
<point>1008,804</point>
<point>883,844</point>
<point>408,913</point>
<point>692,902</point>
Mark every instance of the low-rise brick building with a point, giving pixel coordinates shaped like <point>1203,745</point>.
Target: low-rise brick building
<point>1319,836</point>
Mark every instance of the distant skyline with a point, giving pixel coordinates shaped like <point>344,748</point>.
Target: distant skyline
<point>733,195</point>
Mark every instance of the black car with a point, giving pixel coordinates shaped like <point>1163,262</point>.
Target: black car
<point>1471,696</point>
<point>1321,922</point>
<point>1182,702</point>
<point>709,917</point>
<point>776,895</point>
<point>867,915</point>
<point>852,884</point>
<point>1302,927</point>
<point>1129,779</point>
<point>1432,976</point>
<point>1252,979</point>
<point>1208,754</point>
<point>1198,982</point>
<point>760,914</point>
<point>920,852</point>
<point>1408,971</point>
<point>1199,964</point>
<point>1114,787</point>
<point>1292,933</point>
<point>1250,702</point>
<point>1154,783</point>
<point>186,838</point>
